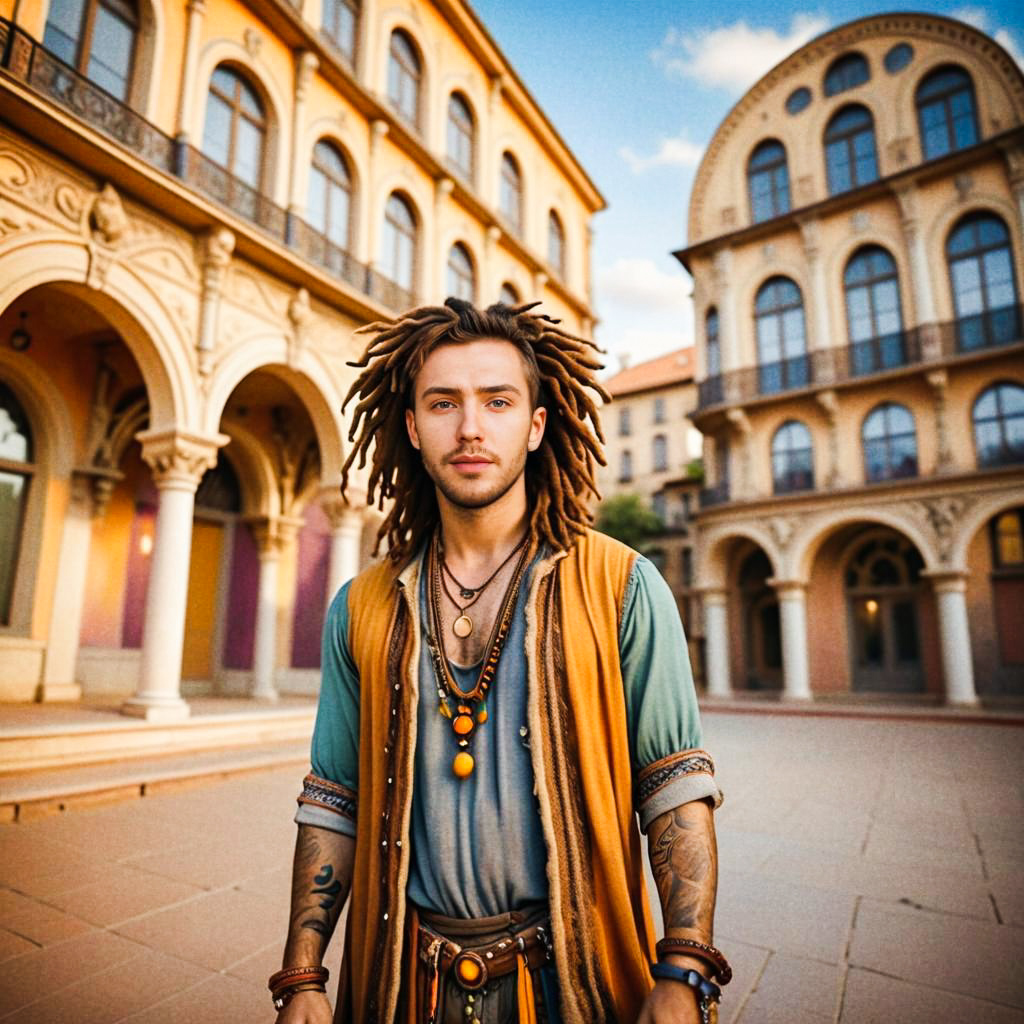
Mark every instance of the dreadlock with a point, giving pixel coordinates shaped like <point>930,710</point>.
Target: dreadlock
<point>560,369</point>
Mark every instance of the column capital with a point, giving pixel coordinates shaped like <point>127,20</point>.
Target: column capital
<point>788,590</point>
<point>443,187</point>
<point>714,595</point>
<point>810,233</point>
<point>340,512</point>
<point>274,533</point>
<point>196,7</point>
<point>179,459</point>
<point>947,581</point>
<point>829,402</point>
<point>306,63</point>
<point>91,490</point>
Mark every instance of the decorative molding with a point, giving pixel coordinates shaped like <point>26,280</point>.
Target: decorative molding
<point>943,514</point>
<point>179,459</point>
<point>301,317</point>
<point>253,42</point>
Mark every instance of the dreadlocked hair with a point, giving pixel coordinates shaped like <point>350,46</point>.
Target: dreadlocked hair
<point>560,368</point>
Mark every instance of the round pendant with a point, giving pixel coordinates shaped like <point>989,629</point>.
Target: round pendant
<point>462,626</point>
<point>463,764</point>
<point>462,724</point>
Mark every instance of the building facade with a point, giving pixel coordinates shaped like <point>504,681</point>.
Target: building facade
<point>855,236</point>
<point>653,450</point>
<point>199,204</point>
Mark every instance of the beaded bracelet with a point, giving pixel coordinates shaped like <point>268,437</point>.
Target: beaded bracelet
<point>284,984</point>
<point>711,955</point>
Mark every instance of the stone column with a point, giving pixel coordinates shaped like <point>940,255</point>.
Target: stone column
<point>728,342</point>
<point>306,64</point>
<point>793,622</point>
<point>215,255</point>
<point>190,67</point>
<point>829,402</point>
<point>924,299</point>
<point>1013,154</point>
<point>375,203</point>
<point>489,153</point>
<point>950,588</point>
<point>810,231</point>
<point>490,281</point>
<point>743,480</point>
<point>716,643</point>
<point>938,380</point>
<point>90,493</point>
<point>271,537</point>
<point>442,190</point>
<point>178,461</point>
<point>346,541</point>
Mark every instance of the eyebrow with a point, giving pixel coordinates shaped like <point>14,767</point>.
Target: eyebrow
<point>491,389</point>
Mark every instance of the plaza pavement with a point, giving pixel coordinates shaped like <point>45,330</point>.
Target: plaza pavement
<point>870,871</point>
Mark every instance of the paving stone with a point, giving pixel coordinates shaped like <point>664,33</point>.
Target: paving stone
<point>1008,895</point>
<point>128,988</point>
<point>793,991</point>
<point>214,931</point>
<point>939,951</point>
<point>44,925</point>
<point>39,867</point>
<point>747,963</point>
<point>894,848</point>
<point>876,999</point>
<point>219,1000</point>
<point>12,945</point>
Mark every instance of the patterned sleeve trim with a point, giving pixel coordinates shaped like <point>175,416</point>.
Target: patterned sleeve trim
<point>661,773</point>
<point>332,795</point>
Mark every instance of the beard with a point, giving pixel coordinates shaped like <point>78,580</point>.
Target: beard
<point>463,493</point>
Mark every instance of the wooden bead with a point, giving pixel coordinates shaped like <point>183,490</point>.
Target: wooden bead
<point>463,765</point>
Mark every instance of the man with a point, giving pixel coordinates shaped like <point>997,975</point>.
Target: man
<point>501,697</point>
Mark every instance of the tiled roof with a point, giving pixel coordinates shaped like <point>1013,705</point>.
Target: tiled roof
<point>672,368</point>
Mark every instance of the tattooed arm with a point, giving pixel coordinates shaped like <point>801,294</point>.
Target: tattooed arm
<point>684,861</point>
<point>321,878</point>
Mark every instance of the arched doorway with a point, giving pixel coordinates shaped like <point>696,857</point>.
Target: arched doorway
<point>882,581</point>
<point>762,630</point>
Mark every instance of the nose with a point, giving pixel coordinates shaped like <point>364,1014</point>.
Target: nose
<point>469,425</point>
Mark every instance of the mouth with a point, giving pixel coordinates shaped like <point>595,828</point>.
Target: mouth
<point>470,463</point>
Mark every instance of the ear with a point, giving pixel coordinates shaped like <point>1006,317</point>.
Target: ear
<point>410,426</point>
<point>537,424</point>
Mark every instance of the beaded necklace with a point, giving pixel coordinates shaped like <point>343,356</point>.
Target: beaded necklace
<point>467,708</point>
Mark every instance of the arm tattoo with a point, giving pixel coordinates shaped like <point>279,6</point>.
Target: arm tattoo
<point>314,907</point>
<point>685,866</point>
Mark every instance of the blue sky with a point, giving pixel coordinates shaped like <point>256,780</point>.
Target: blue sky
<point>637,88</point>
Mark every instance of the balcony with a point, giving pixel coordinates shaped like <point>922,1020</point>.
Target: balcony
<point>826,368</point>
<point>717,495</point>
<point>24,59</point>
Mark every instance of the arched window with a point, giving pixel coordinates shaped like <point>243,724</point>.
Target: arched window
<point>659,453</point>
<point>405,77</point>
<point>461,132</point>
<point>556,244</point>
<point>998,418</point>
<point>873,316</point>
<point>850,158</point>
<point>792,458</point>
<point>890,443</point>
<point>236,127</point>
<point>98,38</point>
<point>461,276</point>
<point>947,113</point>
<point>781,336</point>
<point>626,467</point>
<point>768,181</point>
<point>398,244</point>
<point>16,470</point>
<point>340,18</point>
<point>508,294</point>
<point>511,197</point>
<point>1008,540</point>
<point>846,72</point>
<point>330,194</point>
<point>982,277</point>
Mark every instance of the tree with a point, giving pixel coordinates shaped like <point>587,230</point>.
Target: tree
<point>628,518</point>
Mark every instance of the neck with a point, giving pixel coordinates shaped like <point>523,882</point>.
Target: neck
<point>478,536</point>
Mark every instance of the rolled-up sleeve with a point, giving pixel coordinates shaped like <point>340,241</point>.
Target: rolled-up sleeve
<point>670,767</point>
<point>330,791</point>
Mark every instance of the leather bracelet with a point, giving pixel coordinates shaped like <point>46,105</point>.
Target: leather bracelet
<point>707,992</point>
<point>290,974</point>
<point>711,955</point>
<point>284,995</point>
<point>285,983</point>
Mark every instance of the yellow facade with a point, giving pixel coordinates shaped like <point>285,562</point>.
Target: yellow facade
<point>855,239</point>
<point>178,296</point>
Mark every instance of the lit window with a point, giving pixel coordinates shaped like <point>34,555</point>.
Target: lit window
<point>947,113</point>
<point>1008,539</point>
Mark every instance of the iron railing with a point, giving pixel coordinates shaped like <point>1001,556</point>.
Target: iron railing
<point>929,343</point>
<point>24,58</point>
<point>717,495</point>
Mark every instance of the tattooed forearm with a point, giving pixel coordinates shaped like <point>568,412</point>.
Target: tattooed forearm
<point>684,861</point>
<point>321,877</point>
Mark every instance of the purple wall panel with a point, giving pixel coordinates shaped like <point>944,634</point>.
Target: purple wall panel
<point>240,634</point>
<point>311,588</point>
<point>137,577</point>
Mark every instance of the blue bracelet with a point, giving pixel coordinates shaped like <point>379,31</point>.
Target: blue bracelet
<point>707,991</point>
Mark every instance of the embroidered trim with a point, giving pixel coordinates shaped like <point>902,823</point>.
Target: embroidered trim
<point>332,795</point>
<point>659,774</point>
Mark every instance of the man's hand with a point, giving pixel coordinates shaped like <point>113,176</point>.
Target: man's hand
<point>670,1002</point>
<point>306,1008</point>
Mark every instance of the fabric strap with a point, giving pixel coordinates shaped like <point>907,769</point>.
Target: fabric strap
<point>524,992</point>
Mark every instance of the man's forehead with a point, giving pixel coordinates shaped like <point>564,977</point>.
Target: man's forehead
<point>459,357</point>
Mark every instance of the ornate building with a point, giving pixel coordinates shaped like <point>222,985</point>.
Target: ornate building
<point>855,239</point>
<point>199,204</point>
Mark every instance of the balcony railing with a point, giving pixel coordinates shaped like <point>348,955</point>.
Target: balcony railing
<point>25,59</point>
<point>929,343</point>
<point>717,495</point>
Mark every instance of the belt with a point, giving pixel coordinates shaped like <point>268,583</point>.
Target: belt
<point>472,966</point>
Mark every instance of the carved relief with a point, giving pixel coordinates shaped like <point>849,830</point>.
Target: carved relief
<point>69,202</point>
<point>942,515</point>
<point>782,529</point>
<point>300,316</point>
<point>107,218</point>
<point>253,42</point>
<point>15,171</point>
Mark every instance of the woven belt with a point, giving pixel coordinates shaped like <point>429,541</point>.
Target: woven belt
<point>472,966</point>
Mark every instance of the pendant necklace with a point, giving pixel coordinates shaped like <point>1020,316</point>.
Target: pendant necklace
<point>463,627</point>
<point>467,708</point>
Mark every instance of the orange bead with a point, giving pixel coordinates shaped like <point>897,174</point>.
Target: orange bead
<point>462,724</point>
<point>481,715</point>
<point>469,971</point>
<point>463,765</point>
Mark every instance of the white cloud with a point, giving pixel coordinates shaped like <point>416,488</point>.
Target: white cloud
<point>979,18</point>
<point>734,56</point>
<point>642,286</point>
<point>1009,44</point>
<point>976,16</point>
<point>677,151</point>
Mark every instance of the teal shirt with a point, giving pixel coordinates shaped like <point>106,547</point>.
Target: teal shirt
<point>477,844</point>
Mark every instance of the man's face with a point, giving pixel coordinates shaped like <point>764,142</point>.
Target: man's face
<point>471,420</point>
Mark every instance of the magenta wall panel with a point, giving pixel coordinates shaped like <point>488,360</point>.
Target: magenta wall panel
<point>137,577</point>
<point>243,594</point>
<point>311,588</point>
